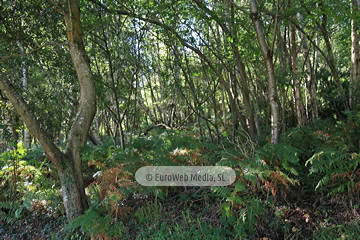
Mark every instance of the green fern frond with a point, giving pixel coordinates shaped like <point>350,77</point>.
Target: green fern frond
<point>287,154</point>
<point>334,163</point>
<point>223,192</point>
<point>10,211</point>
<point>95,223</point>
<point>289,179</point>
<point>328,160</point>
<point>228,162</point>
<point>323,181</point>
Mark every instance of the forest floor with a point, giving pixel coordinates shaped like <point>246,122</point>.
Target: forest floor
<point>306,187</point>
<point>299,220</point>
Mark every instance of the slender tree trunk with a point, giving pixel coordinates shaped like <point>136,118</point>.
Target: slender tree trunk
<point>311,80</point>
<point>296,78</point>
<point>267,55</point>
<point>26,134</point>
<point>329,57</point>
<point>313,69</point>
<point>314,102</point>
<point>240,67</point>
<point>240,116</point>
<point>223,105</point>
<point>245,91</point>
<point>284,65</point>
<point>355,57</point>
<point>331,61</point>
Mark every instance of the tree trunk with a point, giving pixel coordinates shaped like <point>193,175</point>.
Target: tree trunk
<point>331,61</point>
<point>355,57</point>
<point>68,164</point>
<point>311,80</point>
<point>314,102</point>
<point>239,68</point>
<point>267,55</point>
<point>245,91</point>
<point>26,135</point>
<point>71,178</point>
<point>329,57</point>
<point>296,78</point>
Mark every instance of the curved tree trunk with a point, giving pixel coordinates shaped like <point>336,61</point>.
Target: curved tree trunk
<point>68,164</point>
<point>71,178</point>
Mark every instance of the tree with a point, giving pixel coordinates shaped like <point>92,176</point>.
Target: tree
<point>67,163</point>
<point>296,78</point>
<point>310,69</point>
<point>268,60</point>
<point>355,55</point>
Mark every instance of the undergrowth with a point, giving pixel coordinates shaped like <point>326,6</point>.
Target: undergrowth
<point>304,187</point>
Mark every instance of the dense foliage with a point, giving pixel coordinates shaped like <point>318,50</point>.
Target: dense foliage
<point>268,88</point>
<point>307,185</point>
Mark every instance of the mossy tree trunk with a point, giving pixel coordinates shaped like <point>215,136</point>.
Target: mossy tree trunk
<point>68,163</point>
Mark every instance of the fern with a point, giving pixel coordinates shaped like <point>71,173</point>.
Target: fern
<point>94,153</point>
<point>288,156</point>
<point>223,192</point>
<point>97,225</point>
<point>10,211</point>
<point>267,168</point>
<point>333,164</point>
<point>329,159</point>
<point>280,155</point>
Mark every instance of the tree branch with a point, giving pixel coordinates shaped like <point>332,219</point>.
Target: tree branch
<point>34,50</point>
<point>21,107</point>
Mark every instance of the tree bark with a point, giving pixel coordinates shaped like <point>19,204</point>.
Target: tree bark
<point>71,177</point>
<point>68,164</point>
<point>355,57</point>
<point>311,79</point>
<point>331,61</point>
<point>21,107</point>
<point>329,57</point>
<point>267,55</point>
<point>26,135</point>
<point>295,75</point>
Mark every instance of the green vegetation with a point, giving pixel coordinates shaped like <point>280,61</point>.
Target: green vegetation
<point>280,191</point>
<point>91,91</point>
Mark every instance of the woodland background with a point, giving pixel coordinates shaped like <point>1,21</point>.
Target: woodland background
<point>269,88</point>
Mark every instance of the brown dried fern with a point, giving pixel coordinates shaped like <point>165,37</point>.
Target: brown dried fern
<point>110,183</point>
